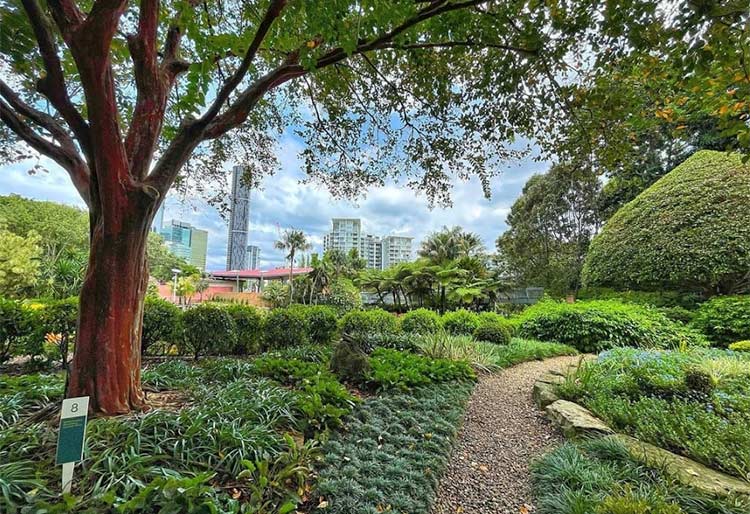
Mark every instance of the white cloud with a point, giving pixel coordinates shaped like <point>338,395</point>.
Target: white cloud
<point>284,202</point>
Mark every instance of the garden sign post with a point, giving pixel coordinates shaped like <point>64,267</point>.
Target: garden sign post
<point>71,436</point>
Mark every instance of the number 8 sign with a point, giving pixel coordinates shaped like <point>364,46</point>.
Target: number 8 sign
<point>71,436</point>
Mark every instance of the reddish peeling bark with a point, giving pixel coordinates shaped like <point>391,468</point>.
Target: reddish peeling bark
<point>107,360</point>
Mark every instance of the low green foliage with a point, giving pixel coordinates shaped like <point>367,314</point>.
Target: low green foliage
<point>249,324</point>
<point>161,324</point>
<point>360,324</point>
<point>696,403</point>
<point>596,325</point>
<point>391,369</point>
<point>23,394</point>
<point>489,356</point>
<point>393,452</point>
<point>493,332</point>
<point>740,346</point>
<point>460,322</point>
<point>402,342</point>
<point>208,330</point>
<point>599,477</point>
<point>286,326</point>
<point>420,321</point>
<point>724,319</point>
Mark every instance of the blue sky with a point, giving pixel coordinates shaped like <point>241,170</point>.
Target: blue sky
<point>284,202</point>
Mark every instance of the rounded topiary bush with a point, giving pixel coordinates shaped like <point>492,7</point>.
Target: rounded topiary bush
<point>360,324</point>
<point>322,323</point>
<point>249,323</point>
<point>600,324</point>
<point>688,231</point>
<point>208,330</point>
<point>286,326</point>
<point>493,332</point>
<point>724,319</point>
<point>460,322</point>
<point>420,321</point>
<point>161,322</point>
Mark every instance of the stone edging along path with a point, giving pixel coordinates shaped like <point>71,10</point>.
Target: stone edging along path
<point>577,421</point>
<point>502,432</point>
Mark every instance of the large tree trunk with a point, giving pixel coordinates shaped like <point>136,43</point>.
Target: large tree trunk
<point>107,360</point>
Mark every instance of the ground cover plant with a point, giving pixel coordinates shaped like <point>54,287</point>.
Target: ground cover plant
<point>599,477</point>
<point>489,356</point>
<point>393,452</point>
<point>724,319</point>
<point>596,325</point>
<point>695,403</point>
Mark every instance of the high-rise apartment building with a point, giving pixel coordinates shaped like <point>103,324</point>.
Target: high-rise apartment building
<point>379,252</point>
<point>187,242</point>
<point>239,221</point>
<point>253,257</point>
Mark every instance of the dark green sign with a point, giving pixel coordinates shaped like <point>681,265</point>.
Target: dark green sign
<point>70,439</point>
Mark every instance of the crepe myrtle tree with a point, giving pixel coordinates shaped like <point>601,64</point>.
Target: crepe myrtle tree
<point>134,98</point>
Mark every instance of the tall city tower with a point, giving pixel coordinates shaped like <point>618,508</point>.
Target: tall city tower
<point>239,221</point>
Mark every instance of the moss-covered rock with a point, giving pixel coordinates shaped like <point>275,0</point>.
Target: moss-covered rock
<point>349,361</point>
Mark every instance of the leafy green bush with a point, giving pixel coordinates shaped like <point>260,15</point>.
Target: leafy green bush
<point>394,449</point>
<point>740,346</point>
<point>420,321</point>
<point>661,298</point>
<point>360,324</point>
<point>724,319</point>
<point>391,369</point>
<point>161,323</point>
<point>286,326</point>
<point>15,326</point>
<point>595,325</point>
<point>402,342</point>
<point>493,332</point>
<point>208,330</point>
<point>342,295</point>
<point>249,323</point>
<point>322,322</point>
<point>460,322</point>
<point>685,232</point>
<point>59,317</point>
<point>696,403</point>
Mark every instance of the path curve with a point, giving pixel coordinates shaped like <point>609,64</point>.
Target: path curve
<point>502,432</point>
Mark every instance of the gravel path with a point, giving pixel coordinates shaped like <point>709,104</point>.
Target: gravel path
<point>502,431</point>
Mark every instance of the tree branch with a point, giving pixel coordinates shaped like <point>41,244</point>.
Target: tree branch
<point>70,161</point>
<point>52,85</point>
<point>465,44</point>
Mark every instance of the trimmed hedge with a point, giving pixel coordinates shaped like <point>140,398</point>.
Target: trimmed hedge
<point>322,323</point>
<point>286,326</point>
<point>460,322</point>
<point>493,332</point>
<point>724,319</point>
<point>600,324</point>
<point>249,324</point>
<point>209,330</point>
<point>161,322</point>
<point>362,324</point>
<point>55,317</point>
<point>420,321</point>
<point>688,231</point>
<point>14,328</point>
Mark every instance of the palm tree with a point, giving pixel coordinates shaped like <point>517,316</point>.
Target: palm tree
<point>292,240</point>
<point>450,244</point>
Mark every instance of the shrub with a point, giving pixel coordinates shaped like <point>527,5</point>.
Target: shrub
<point>249,323</point>
<point>596,325</point>
<point>401,342</point>
<point>59,317</point>
<point>740,346</point>
<point>276,293</point>
<point>322,323</point>
<point>661,298</point>
<point>493,332</point>
<point>361,324</point>
<point>208,330</point>
<point>420,321</point>
<point>392,369</point>
<point>460,322</point>
<point>724,319</point>
<point>161,321</point>
<point>286,327</point>
<point>14,327</point>
<point>687,230</point>
<point>342,295</point>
